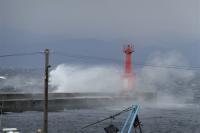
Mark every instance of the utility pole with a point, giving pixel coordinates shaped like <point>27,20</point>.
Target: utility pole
<point>46,80</point>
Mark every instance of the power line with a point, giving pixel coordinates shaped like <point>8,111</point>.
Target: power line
<point>169,66</point>
<point>20,54</point>
<point>85,57</point>
<point>120,61</point>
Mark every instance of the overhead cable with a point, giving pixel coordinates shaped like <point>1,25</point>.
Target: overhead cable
<point>120,61</point>
<point>20,54</point>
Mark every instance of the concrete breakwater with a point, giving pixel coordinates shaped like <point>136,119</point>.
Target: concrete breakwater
<point>19,102</point>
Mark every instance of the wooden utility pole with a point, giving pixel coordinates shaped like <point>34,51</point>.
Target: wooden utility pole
<point>46,80</point>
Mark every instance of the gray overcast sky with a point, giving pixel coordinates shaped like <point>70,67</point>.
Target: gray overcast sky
<point>93,27</point>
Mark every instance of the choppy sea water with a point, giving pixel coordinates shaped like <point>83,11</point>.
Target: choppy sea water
<point>172,119</point>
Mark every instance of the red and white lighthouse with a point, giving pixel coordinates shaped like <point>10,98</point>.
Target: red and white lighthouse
<point>128,77</point>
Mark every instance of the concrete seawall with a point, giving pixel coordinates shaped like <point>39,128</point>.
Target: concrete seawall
<point>19,102</point>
